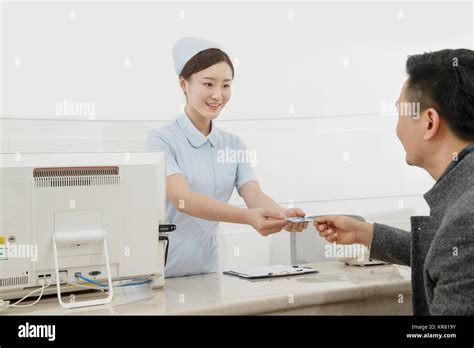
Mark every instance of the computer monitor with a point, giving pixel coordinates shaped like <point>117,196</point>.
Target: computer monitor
<point>66,215</point>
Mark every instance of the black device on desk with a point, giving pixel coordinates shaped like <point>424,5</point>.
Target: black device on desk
<point>163,228</point>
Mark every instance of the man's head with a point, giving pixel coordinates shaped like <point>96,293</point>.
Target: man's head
<point>436,104</point>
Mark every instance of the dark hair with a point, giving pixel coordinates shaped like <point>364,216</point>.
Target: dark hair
<point>204,60</point>
<point>444,80</point>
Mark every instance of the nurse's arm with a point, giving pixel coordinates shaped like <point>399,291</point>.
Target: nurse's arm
<point>265,221</point>
<point>254,197</point>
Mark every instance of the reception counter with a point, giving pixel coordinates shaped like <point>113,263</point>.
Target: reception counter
<point>337,289</point>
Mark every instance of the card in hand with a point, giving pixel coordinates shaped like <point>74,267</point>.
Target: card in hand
<point>299,219</point>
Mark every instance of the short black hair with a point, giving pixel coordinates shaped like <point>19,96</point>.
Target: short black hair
<point>204,60</point>
<point>444,80</point>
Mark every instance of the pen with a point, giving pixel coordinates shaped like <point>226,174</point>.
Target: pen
<point>296,266</point>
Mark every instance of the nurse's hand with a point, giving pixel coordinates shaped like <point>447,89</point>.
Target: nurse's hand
<point>265,221</point>
<point>295,226</point>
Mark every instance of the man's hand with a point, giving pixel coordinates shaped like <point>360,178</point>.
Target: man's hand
<point>344,230</point>
<point>265,221</point>
<point>295,226</point>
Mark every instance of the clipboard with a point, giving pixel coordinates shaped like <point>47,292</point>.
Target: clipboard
<point>270,271</point>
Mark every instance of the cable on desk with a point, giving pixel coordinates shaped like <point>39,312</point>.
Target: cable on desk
<point>87,286</point>
<point>101,287</point>
<point>91,281</point>
<point>6,304</point>
<point>135,283</point>
<point>104,287</point>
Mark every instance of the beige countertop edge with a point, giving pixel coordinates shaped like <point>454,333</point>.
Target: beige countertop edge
<point>300,299</point>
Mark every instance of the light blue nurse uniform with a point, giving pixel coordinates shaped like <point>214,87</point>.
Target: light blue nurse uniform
<point>193,245</point>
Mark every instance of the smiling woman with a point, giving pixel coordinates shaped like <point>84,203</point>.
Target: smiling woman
<point>209,89</point>
<point>199,180</point>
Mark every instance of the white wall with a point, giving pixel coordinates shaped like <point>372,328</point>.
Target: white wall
<point>312,79</point>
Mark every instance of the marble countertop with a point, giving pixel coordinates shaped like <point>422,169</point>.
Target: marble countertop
<point>218,293</point>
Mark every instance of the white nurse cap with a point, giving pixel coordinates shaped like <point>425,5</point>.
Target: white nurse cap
<point>186,48</point>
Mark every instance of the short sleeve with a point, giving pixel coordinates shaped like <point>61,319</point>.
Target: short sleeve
<point>245,169</point>
<point>156,142</point>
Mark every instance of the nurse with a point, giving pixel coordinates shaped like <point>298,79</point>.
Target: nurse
<point>205,163</point>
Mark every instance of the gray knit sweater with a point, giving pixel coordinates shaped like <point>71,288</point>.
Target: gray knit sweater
<point>440,247</point>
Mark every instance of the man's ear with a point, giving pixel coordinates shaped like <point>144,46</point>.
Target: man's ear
<point>183,84</point>
<point>431,123</point>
